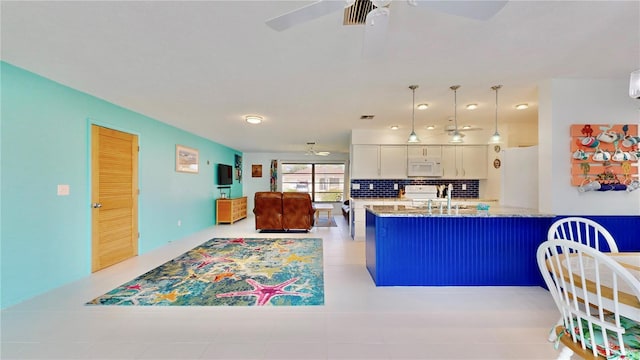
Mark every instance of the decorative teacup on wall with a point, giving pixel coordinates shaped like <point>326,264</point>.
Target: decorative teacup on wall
<point>580,155</point>
<point>607,137</point>
<point>590,141</point>
<point>630,141</point>
<point>621,156</point>
<point>600,155</point>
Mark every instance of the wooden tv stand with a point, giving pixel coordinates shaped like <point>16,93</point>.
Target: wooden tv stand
<point>231,210</point>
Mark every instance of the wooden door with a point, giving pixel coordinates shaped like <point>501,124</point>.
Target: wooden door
<point>114,197</point>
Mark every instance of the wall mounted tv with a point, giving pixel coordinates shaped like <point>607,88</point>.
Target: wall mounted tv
<point>225,174</point>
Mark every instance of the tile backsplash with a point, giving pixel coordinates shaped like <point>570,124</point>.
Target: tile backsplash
<point>384,188</point>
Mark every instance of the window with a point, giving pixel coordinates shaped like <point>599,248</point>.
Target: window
<point>324,182</point>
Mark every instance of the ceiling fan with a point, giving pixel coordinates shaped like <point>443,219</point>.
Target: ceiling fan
<point>312,151</point>
<point>374,14</point>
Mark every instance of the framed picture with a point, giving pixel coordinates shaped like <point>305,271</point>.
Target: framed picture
<point>238,165</point>
<point>186,159</point>
<point>256,170</point>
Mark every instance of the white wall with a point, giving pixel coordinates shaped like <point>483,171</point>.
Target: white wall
<point>564,102</point>
<point>520,177</point>
<point>251,185</point>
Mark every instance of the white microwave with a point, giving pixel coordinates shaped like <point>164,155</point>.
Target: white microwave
<point>426,167</point>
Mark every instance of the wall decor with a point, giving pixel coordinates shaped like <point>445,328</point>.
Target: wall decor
<point>256,170</point>
<point>238,166</point>
<point>604,153</point>
<point>497,163</point>
<point>186,159</point>
<point>496,148</point>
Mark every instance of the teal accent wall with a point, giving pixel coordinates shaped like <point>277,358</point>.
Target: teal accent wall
<point>45,141</point>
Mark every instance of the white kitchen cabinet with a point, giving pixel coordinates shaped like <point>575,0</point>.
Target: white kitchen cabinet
<point>464,161</point>
<point>360,213</point>
<point>365,161</point>
<point>379,162</point>
<point>393,161</point>
<point>420,151</point>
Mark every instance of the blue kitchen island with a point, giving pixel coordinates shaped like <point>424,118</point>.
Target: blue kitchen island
<point>409,247</point>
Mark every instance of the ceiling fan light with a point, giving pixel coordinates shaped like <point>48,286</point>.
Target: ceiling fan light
<point>413,138</point>
<point>456,138</point>
<point>253,119</point>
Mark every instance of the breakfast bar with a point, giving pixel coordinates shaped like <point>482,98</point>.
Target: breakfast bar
<point>408,246</point>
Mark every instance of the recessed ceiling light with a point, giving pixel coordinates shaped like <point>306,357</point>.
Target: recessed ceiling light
<point>522,106</point>
<point>466,127</point>
<point>472,106</point>
<point>395,127</point>
<point>422,106</point>
<point>253,119</point>
<point>431,127</point>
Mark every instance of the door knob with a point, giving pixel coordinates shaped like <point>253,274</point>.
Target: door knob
<point>96,205</point>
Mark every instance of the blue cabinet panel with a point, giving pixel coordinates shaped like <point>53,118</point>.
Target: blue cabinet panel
<point>447,251</point>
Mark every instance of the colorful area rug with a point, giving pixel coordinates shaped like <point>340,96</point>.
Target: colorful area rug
<point>231,272</point>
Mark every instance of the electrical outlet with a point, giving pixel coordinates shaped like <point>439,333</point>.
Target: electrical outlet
<point>464,186</point>
<point>63,190</point>
<point>395,186</point>
<point>355,186</point>
<point>370,186</point>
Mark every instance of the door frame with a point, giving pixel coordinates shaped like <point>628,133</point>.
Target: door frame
<point>89,235</point>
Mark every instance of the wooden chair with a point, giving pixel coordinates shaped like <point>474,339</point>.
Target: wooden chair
<point>584,284</point>
<point>584,231</point>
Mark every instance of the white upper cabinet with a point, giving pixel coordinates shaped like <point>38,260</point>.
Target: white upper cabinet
<point>418,151</point>
<point>379,162</point>
<point>365,161</point>
<point>464,161</point>
<point>393,161</point>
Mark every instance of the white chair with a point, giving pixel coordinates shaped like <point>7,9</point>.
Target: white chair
<point>583,231</point>
<point>584,284</point>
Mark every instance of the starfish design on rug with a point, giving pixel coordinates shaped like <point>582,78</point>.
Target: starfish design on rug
<point>208,259</point>
<point>265,293</point>
<point>294,257</point>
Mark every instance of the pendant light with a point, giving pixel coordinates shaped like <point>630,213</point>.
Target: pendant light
<point>495,138</point>
<point>413,137</point>
<point>457,137</point>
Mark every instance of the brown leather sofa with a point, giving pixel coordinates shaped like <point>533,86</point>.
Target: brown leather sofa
<point>277,211</point>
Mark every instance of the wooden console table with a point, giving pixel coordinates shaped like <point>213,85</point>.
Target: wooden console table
<point>231,210</point>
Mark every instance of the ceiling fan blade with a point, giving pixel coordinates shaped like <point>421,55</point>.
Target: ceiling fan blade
<point>305,13</point>
<point>375,32</point>
<point>478,10</point>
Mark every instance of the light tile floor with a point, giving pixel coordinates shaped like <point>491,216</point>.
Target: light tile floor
<point>358,320</point>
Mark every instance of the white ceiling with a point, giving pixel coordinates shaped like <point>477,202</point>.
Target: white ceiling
<point>201,66</point>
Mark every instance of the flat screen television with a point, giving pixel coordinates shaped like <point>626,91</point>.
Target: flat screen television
<point>225,174</point>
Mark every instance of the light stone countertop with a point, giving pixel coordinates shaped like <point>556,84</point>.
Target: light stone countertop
<point>495,210</point>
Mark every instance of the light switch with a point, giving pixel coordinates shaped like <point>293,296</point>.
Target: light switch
<point>370,186</point>
<point>63,190</point>
<point>355,186</point>
<point>395,186</point>
<point>464,186</point>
